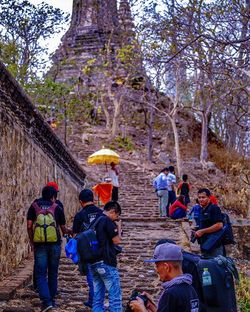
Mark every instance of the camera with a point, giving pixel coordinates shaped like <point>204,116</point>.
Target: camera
<point>133,296</point>
<point>193,237</point>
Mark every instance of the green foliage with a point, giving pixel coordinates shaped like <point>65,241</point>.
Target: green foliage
<point>124,143</point>
<point>53,98</point>
<point>24,27</point>
<point>10,54</point>
<point>243,294</point>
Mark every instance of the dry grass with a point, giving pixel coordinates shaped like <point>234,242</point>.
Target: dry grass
<point>235,189</point>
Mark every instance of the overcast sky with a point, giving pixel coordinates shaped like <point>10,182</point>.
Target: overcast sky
<point>64,5</point>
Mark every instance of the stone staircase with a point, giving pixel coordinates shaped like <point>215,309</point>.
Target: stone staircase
<point>142,228</point>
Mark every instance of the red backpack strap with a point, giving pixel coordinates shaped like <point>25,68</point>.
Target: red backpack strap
<point>52,209</point>
<point>37,208</point>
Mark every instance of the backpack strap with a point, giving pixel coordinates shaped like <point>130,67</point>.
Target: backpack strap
<point>38,209</point>
<point>94,223</point>
<point>53,208</point>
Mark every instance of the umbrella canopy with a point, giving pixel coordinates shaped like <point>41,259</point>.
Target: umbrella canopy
<point>104,156</point>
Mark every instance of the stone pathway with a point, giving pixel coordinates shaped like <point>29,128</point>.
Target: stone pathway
<point>142,228</point>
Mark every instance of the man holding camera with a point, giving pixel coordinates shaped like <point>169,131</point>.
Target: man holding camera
<point>211,221</point>
<point>178,295</point>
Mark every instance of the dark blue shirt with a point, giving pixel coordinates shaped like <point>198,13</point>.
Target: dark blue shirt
<point>209,216</point>
<point>84,217</point>
<point>179,298</point>
<point>106,230</point>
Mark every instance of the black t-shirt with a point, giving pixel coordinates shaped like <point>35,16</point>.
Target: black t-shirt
<point>210,216</point>
<point>44,204</point>
<point>179,298</point>
<point>106,230</point>
<point>185,189</point>
<point>86,216</point>
<point>60,204</point>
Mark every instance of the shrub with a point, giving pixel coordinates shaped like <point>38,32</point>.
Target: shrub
<point>243,294</point>
<point>124,143</point>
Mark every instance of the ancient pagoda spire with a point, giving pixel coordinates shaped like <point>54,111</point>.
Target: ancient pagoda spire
<point>97,27</point>
<point>126,21</point>
<point>95,15</point>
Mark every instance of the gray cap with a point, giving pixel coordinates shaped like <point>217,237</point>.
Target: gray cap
<point>166,252</point>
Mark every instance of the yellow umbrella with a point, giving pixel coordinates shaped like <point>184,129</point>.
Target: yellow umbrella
<point>104,156</point>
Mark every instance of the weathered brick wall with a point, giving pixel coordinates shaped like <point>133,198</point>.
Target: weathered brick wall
<point>31,155</point>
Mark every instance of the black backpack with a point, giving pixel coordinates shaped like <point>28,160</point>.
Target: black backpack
<point>222,237</point>
<point>220,296</point>
<point>228,237</point>
<point>88,246</point>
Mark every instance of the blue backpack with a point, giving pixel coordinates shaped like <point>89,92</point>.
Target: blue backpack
<point>228,237</point>
<point>71,250</point>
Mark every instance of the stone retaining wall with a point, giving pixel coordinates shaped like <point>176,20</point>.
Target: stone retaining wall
<point>31,155</point>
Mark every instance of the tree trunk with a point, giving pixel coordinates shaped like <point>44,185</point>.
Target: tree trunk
<point>106,112</point>
<point>177,145</point>
<point>204,135</point>
<point>117,110</point>
<point>150,135</point>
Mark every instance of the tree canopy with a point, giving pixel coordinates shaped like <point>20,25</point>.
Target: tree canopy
<point>23,29</point>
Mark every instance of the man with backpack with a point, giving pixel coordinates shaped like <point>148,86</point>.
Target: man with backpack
<point>60,204</point>
<point>104,268</point>
<point>56,187</point>
<point>211,222</point>
<point>178,295</point>
<point>43,221</point>
<point>82,221</point>
<point>220,295</point>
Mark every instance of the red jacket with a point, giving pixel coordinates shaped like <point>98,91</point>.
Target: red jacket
<point>175,205</point>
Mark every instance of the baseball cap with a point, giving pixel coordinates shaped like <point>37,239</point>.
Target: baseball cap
<point>166,252</point>
<point>86,195</point>
<point>54,185</point>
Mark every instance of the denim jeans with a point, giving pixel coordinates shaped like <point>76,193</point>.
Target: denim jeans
<point>47,258</point>
<point>163,202</point>
<point>171,199</point>
<point>106,277</point>
<point>90,284</point>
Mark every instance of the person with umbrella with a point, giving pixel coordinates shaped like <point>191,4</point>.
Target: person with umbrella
<point>106,156</point>
<point>113,174</point>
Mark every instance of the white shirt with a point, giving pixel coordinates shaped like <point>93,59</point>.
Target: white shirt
<point>171,180</point>
<point>114,177</point>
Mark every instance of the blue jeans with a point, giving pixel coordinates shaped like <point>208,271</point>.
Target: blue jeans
<point>163,202</point>
<point>47,258</point>
<point>171,199</point>
<point>178,214</point>
<point>106,277</point>
<point>90,284</point>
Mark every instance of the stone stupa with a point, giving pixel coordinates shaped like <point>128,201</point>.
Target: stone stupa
<point>94,25</point>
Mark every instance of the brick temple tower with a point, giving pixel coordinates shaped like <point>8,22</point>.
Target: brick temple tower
<point>94,24</point>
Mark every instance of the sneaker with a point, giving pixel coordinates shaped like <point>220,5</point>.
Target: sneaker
<point>47,308</point>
